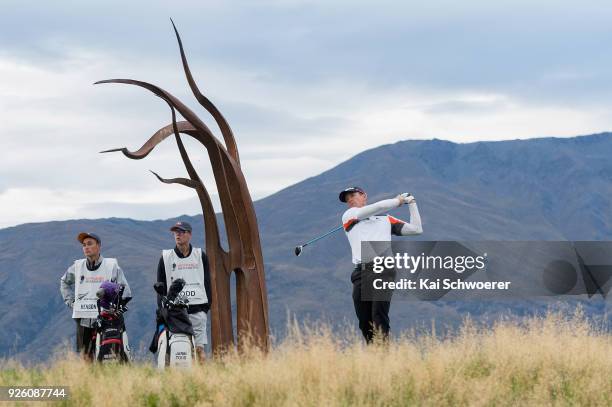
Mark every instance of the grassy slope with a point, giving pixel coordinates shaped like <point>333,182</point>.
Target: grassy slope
<point>552,360</point>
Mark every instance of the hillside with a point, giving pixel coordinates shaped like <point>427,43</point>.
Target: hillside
<point>550,189</point>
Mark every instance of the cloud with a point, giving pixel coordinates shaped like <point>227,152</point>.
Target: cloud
<point>471,106</point>
<point>304,84</point>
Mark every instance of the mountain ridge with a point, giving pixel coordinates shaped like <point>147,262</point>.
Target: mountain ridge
<point>547,188</point>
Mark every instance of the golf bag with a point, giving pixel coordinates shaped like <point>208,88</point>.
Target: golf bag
<point>174,337</point>
<point>111,341</point>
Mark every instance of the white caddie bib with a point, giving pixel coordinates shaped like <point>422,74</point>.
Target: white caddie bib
<point>189,269</point>
<point>87,283</point>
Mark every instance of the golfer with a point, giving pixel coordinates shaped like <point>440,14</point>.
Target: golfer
<point>190,264</point>
<point>361,224</point>
<point>80,283</point>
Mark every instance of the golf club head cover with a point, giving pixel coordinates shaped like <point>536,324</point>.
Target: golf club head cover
<point>108,293</point>
<point>175,288</point>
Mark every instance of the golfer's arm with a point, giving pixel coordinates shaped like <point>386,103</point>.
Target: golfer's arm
<point>375,208</point>
<point>67,285</point>
<point>414,227</point>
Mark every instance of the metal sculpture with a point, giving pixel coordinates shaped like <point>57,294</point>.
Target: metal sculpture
<point>244,256</point>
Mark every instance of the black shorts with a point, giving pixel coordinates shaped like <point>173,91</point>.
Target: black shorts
<point>85,338</point>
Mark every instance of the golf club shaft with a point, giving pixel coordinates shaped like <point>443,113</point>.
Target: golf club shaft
<point>322,236</point>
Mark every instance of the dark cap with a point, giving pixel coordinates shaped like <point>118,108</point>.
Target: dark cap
<point>349,190</point>
<point>84,235</point>
<point>184,226</point>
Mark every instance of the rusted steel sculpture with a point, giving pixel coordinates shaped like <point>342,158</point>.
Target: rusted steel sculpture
<point>244,256</point>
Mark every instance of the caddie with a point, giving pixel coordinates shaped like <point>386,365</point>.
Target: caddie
<point>80,283</point>
<point>191,264</point>
<point>361,223</point>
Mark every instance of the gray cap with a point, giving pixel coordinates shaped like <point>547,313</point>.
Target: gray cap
<point>184,226</point>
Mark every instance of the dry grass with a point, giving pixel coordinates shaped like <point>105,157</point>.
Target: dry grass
<point>554,360</point>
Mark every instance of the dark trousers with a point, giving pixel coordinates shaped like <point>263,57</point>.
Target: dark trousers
<point>85,340</point>
<point>372,308</point>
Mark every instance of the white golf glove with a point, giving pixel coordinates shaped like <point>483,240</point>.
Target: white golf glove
<point>406,198</point>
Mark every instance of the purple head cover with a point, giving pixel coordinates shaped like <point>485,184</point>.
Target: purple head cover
<point>108,293</point>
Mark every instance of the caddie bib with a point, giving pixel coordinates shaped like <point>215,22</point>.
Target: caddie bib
<point>189,269</point>
<point>86,284</point>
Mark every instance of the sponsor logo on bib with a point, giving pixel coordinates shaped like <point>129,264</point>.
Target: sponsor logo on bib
<point>99,279</point>
<point>185,266</point>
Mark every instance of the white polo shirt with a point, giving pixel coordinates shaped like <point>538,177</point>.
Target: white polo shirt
<point>362,224</point>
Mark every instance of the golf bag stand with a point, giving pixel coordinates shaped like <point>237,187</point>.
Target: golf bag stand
<point>174,340</point>
<point>111,339</point>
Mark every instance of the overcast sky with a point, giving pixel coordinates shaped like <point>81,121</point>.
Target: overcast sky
<point>305,85</point>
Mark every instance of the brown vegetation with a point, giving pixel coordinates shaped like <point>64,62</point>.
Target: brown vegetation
<point>554,360</point>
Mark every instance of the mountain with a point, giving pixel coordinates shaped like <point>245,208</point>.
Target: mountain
<point>537,189</point>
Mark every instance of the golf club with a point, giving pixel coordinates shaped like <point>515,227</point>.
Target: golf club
<point>298,249</point>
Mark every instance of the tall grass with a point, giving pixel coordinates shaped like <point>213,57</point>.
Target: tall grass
<point>552,360</point>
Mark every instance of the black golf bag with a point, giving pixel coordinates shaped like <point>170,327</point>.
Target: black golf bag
<point>111,340</point>
<point>174,337</point>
